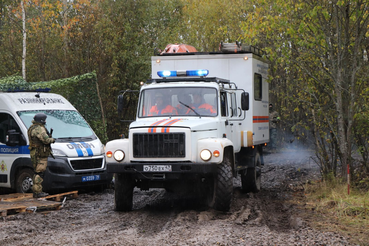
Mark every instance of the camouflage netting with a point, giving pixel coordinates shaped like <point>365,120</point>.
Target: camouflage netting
<point>13,83</point>
<point>80,90</point>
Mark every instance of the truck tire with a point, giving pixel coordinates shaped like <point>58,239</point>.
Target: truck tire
<point>23,181</point>
<point>223,187</point>
<point>123,192</point>
<point>251,178</point>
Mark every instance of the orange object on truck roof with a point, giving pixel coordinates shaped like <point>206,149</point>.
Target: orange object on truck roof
<point>178,48</point>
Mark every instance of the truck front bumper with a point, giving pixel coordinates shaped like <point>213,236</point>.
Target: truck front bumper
<point>177,170</point>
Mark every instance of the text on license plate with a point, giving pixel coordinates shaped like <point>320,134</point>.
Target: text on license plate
<point>90,178</point>
<point>157,168</point>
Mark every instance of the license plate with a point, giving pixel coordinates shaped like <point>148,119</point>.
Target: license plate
<point>157,168</point>
<point>90,178</point>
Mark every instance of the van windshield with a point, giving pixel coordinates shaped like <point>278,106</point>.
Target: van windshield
<point>189,101</point>
<point>65,123</point>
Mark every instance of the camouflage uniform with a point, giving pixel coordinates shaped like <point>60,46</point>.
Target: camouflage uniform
<point>273,120</point>
<point>39,150</point>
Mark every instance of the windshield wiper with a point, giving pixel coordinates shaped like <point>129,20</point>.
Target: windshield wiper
<point>190,108</point>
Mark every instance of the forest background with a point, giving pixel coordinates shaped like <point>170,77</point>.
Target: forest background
<point>317,50</point>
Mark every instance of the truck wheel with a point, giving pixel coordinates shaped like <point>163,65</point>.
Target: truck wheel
<point>123,192</point>
<point>23,182</point>
<point>223,187</point>
<point>251,178</point>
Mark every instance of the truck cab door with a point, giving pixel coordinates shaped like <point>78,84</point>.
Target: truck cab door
<point>236,119</point>
<point>233,114</point>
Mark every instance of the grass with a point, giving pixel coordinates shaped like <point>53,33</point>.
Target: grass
<point>342,212</point>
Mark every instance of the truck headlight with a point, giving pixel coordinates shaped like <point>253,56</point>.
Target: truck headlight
<point>205,155</point>
<point>118,155</point>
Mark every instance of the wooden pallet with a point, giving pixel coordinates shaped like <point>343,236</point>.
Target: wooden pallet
<point>27,206</point>
<point>15,197</point>
<point>5,209</point>
<point>59,197</point>
<point>24,202</point>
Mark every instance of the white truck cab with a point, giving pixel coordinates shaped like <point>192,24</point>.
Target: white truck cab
<point>78,153</point>
<point>187,147</point>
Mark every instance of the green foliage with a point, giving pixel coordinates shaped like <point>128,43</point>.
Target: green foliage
<point>129,31</point>
<point>207,23</point>
<point>14,82</point>
<point>316,56</point>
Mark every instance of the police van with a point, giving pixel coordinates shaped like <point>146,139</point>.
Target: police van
<point>78,155</point>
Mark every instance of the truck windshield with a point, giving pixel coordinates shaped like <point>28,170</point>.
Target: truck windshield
<point>184,101</point>
<point>65,123</point>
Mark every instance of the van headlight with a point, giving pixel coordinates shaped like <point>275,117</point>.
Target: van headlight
<point>119,155</point>
<point>58,152</point>
<point>205,155</point>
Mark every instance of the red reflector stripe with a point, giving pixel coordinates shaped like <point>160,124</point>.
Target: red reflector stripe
<point>260,119</point>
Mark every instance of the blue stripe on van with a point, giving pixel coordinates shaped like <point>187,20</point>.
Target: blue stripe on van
<point>87,147</point>
<point>5,149</point>
<point>77,148</point>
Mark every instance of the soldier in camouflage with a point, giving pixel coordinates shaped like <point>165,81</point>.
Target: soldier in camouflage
<point>40,149</point>
<point>273,120</point>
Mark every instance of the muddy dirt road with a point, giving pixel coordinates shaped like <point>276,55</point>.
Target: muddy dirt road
<point>273,216</point>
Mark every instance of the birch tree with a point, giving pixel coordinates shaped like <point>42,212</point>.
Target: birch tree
<point>24,46</point>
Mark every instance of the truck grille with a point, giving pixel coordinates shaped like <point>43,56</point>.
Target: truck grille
<point>157,145</point>
<point>87,164</point>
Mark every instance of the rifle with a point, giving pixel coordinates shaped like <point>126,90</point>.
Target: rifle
<point>50,136</point>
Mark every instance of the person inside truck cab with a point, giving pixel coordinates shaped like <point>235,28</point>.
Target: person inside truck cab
<point>200,105</point>
<point>162,107</point>
<point>183,99</point>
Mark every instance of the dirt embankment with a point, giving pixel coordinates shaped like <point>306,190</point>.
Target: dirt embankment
<point>274,216</point>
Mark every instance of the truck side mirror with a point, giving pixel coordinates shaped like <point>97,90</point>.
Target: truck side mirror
<point>245,101</point>
<point>127,105</point>
<point>120,104</point>
<point>14,138</point>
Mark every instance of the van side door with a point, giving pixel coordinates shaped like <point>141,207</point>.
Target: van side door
<point>8,154</point>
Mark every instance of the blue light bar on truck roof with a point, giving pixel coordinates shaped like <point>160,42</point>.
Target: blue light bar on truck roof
<point>168,73</point>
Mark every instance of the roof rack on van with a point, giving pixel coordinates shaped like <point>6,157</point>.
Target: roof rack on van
<point>27,90</point>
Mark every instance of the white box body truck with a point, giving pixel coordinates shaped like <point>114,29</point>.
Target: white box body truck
<point>187,148</point>
<point>79,154</point>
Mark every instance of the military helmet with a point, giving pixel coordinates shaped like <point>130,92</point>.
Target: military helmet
<point>40,118</point>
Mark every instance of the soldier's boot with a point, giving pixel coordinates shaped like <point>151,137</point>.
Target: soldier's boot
<point>37,187</point>
<point>39,195</point>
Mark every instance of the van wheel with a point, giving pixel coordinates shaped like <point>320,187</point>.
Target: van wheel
<point>24,183</point>
<point>123,192</point>
<point>222,189</point>
<point>251,178</point>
